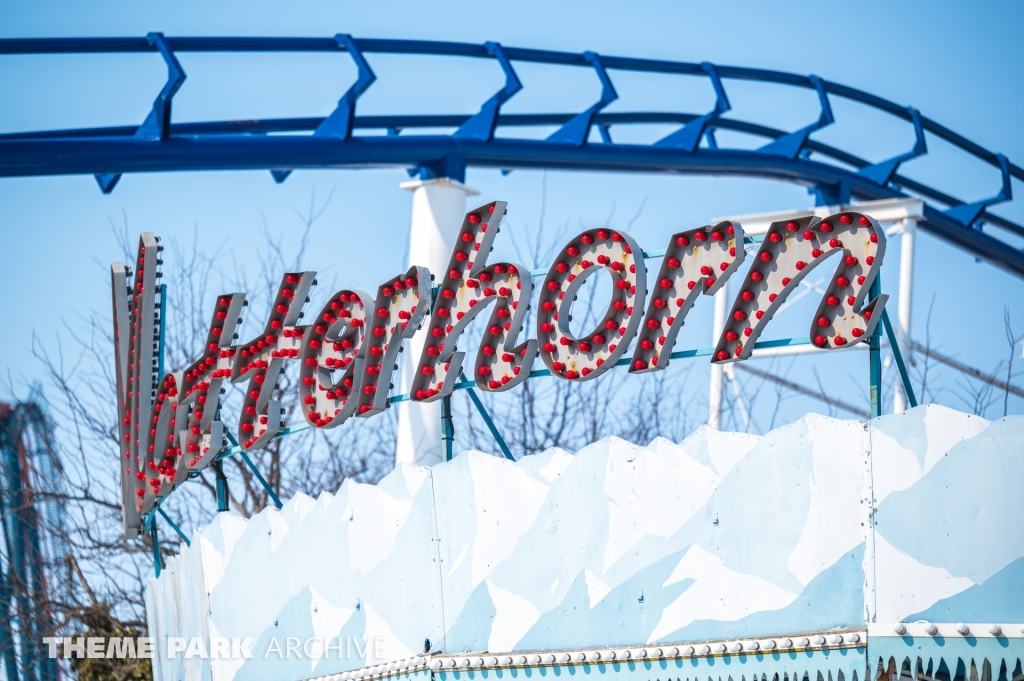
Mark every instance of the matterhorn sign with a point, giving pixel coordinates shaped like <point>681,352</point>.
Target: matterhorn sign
<point>348,354</point>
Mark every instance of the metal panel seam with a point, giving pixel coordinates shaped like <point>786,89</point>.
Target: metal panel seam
<point>871,588</point>
<point>437,553</point>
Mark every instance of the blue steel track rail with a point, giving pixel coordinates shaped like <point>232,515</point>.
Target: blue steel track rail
<point>836,176</point>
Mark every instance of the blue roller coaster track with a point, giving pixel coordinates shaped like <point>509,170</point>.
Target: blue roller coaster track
<point>834,175</point>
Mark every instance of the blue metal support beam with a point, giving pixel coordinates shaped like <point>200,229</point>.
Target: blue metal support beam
<point>154,538</point>
<point>875,355</point>
<point>792,144</point>
<point>174,526</point>
<point>967,214</point>
<point>157,126</point>
<point>447,427</point>
<point>495,433</point>
<point>883,172</point>
<point>577,130</point>
<point>688,138</point>
<point>481,126</point>
<point>339,123</point>
<point>262,480</point>
<point>221,482</point>
<point>898,356</point>
<point>252,467</point>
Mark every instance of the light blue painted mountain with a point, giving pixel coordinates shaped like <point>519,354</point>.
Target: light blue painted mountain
<point>722,535</point>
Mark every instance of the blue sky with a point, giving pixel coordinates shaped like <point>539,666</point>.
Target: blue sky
<point>956,62</point>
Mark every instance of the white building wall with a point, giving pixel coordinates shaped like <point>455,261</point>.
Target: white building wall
<point>818,524</point>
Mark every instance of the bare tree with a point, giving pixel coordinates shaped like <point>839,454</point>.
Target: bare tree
<point>1012,341</point>
<point>98,578</point>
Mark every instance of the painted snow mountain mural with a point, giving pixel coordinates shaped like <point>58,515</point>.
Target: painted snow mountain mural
<point>820,524</point>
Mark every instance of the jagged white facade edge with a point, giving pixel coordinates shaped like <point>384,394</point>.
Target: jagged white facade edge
<point>819,524</point>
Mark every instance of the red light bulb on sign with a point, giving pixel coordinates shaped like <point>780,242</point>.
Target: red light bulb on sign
<point>564,354</point>
<point>404,308</point>
<point>506,293</point>
<point>681,286</point>
<point>788,254</point>
<point>268,352</point>
<point>332,358</point>
<point>136,327</point>
<point>202,437</point>
<point>161,462</point>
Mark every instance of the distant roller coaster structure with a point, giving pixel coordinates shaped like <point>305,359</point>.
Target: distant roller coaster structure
<point>834,175</point>
<point>32,520</point>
